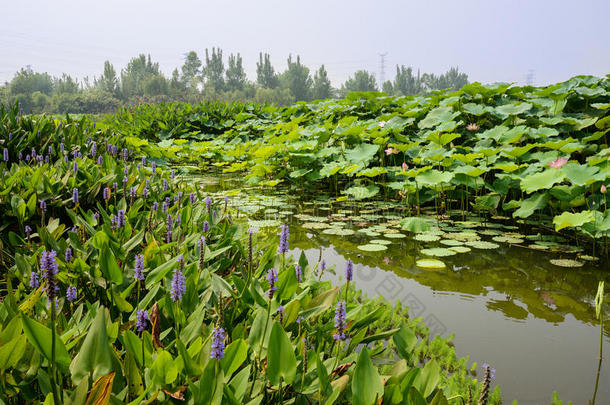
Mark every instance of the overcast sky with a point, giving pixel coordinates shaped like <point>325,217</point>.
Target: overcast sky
<point>490,40</point>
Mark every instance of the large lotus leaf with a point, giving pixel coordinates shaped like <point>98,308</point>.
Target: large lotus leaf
<point>542,180</point>
<point>360,193</point>
<point>437,116</point>
<point>494,133</point>
<point>331,168</point>
<point>474,109</point>
<point>529,205</point>
<point>513,109</point>
<point>398,122</point>
<point>434,177</point>
<point>442,139</point>
<point>372,172</point>
<point>513,135</point>
<point>580,175</point>
<point>471,171</point>
<point>568,219</point>
<point>362,153</point>
<point>415,224</point>
<point>519,150</point>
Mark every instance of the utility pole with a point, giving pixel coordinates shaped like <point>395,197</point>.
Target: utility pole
<point>382,69</point>
<point>529,78</point>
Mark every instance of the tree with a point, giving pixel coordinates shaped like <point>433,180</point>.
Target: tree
<point>265,75</point>
<point>405,84</point>
<point>296,78</point>
<point>177,87</point>
<point>67,85</point>
<point>155,85</point>
<point>108,82</point>
<point>236,76</point>
<point>137,72</point>
<point>321,85</point>
<point>387,87</point>
<point>214,70</point>
<point>362,81</point>
<point>28,82</point>
<point>191,70</point>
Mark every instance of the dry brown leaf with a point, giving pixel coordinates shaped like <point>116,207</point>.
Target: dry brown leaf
<point>155,320</point>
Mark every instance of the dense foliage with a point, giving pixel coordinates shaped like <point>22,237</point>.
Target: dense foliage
<point>122,283</point>
<point>142,81</point>
<point>538,155</point>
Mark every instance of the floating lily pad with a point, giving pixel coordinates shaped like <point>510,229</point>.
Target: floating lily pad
<point>460,249</point>
<point>394,235</point>
<point>314,225</point>
<point>490,232</point>
<point>426,237</point>
<point>451,242</point>
<point>381,241</point>
<point>345,232</point>
<point>372,247</point>
<point>588,258</point>
<point>481,244</point>
<point>440,252</point>
<point>507,239</point>
<point>566,262</point>
<point>430,264</point>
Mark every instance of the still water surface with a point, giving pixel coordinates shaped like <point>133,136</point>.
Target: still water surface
<point>534,322</point>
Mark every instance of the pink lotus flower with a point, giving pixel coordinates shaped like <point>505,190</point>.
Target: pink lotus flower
<point>472,127</point>
<point>556,164</point>
<point>603,189</point>
<point>391,151</point>
<point>382,123</point>
<point>404,166</point>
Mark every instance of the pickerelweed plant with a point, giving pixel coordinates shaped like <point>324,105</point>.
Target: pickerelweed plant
<point>202,317</point>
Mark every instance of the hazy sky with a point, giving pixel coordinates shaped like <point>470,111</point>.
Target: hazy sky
<point>490,40</point>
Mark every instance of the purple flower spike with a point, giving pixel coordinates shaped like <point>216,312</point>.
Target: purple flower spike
<point>192,198</point>
<point>178,286</point>
<point>68,255</point>
<point>75,166</point>
<point>71,293</point>
<point>106,193</point>
<point>272,279</point>
<point>75,195</point>
<point>284,235</point>
<point>206,226</point>
<point>164,184</point>
<point>121,218</point>
<point>6,155</point>
<point>349,270</point>
<point>43,206</point>
<point>340,321</point>
<point>93,149</point>
<point>48,267</point>
<point>218,344</point>
<point>34,280</point>
<point>208,203</point>
<point>141,320</point>
<point>139,268</point>
<point>280,313</point>
<point>299,273</point>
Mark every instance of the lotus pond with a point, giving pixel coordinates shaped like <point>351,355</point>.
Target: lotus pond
<point>421,250</point>
<point>506,297</point>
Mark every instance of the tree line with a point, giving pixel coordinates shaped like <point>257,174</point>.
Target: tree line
<point>208,79</point>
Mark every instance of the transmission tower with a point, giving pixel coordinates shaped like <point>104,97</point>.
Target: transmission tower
<point>382,69</point>
<point>529,78</point>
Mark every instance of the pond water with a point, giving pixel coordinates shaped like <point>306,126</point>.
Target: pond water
<point>504,300</point>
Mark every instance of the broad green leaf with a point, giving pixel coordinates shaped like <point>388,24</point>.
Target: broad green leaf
<point>281,360</point>
<point>95,355</point>
<point>569,219</point>
<point>542,180</point>
<point>40,337</point>
<point>367,386</point>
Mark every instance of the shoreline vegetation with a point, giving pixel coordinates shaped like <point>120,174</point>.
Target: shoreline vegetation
<point>122,283</point>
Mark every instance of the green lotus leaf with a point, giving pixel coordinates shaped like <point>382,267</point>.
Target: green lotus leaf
<point>372,247</point>
<point>580,175</point>
<point>513,109</point>
<point>569,219</point>
<point>430,264</point>
<point>542,180</point>
<point>528,206</point>
<point>437,116</point>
